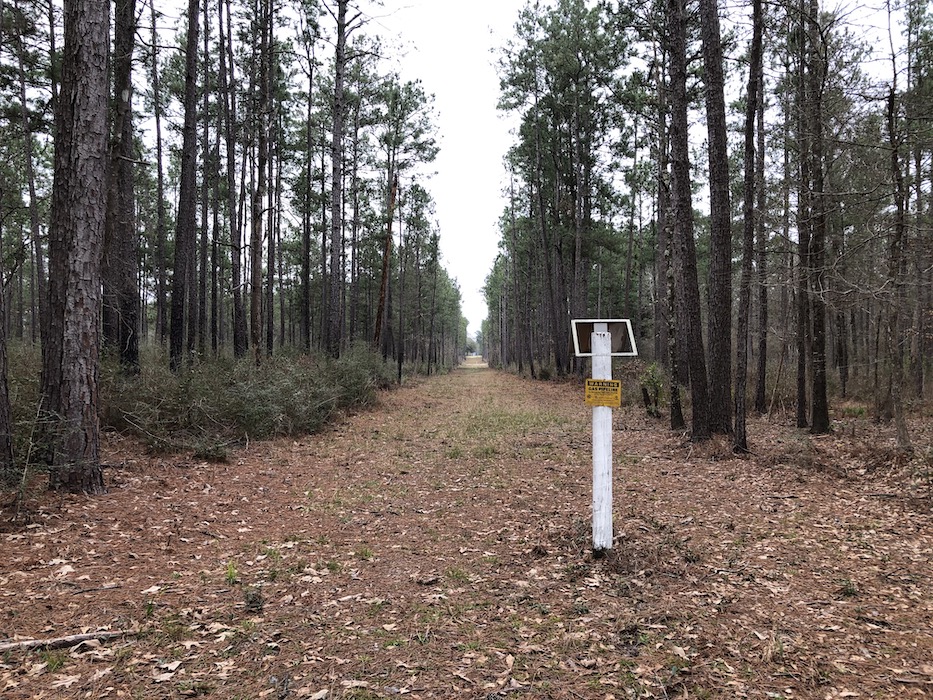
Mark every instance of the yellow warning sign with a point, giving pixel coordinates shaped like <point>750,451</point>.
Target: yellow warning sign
<point>604,392</point>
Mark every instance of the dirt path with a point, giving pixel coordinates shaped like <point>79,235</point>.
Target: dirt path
<point>438,547</point>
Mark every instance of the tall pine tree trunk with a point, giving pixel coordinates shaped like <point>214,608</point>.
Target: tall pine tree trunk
<point>121,255</point>
<point>762,239</point>
<point>719,334</point>
<point>382,310</point>
<point>662,259</point>
<point>355,224</point>
<point>79,204</point>
<point>228,98</point>
<point>6,424</point>
<point>803,218</point>
<point>748,230</point>
<point>215,247</point>
<point>208,178</point>
<point>895,326</point>
<point>403,249</point>
<point>816,74</point>
<point>185,227</point>
<point>306,220</point>
<point>259,194</point>
<point>335,311</point>
<point>160,261</point>
<point>682,206</point>
<point>273,207</point>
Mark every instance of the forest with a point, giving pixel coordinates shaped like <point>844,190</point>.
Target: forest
<point>751,184</point>
<point>234,192</point>
<point>219,250</point>
<point>181,186</point>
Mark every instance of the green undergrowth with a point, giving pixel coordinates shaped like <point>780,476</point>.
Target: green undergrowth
<point>209,405</point>
<point>218,402</point>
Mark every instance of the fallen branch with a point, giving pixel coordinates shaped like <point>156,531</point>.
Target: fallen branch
<point>914,681</point>
<point>93,590</point>
<point>61,642</point>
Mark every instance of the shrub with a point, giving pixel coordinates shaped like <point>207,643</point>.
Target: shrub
<point>221,401</point>
<point>652,384</point>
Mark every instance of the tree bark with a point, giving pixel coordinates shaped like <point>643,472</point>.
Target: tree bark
<point>403,246</point>
<point>803,220</point>
<point>121,254</point>
<point>228,98</point>
<point>160,262</point>
<point>355,224</point>
<point>306,220</point>
<point>185,227</point>
<point>337,278</point>
<point>79,206</point>
<point>209,176</point>
<point>215,247</point>
<point>894,326</point>
<point>762,238</point>
<point>719,333</point>
<point>384,279</point>
<point>677,410</point>
<point>259,194</point>
<point>662,259</point>
<point>819,423</point>
<point>740,441</point>
<point>685,261</point>
<point>273,224</point>
<point>6,424</point>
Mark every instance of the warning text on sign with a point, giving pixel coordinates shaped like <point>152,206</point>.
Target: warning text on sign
<point>603,392</point>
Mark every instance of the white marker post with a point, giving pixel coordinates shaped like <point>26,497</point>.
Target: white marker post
<point>602,340</point>
<point>601,343</point>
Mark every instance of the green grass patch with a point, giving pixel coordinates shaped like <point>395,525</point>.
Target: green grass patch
<point>457,575</point>
<point>485,452</point>
<point>54,659</point>
<point>492,421</point>
<point>231,575</point>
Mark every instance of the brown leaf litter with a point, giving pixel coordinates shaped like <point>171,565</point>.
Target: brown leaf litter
<point>438,547</point>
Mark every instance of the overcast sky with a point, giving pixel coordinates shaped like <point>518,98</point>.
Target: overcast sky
<point>449,45</point>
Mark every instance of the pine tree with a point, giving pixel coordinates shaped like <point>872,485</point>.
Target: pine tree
<point>79,202</point>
